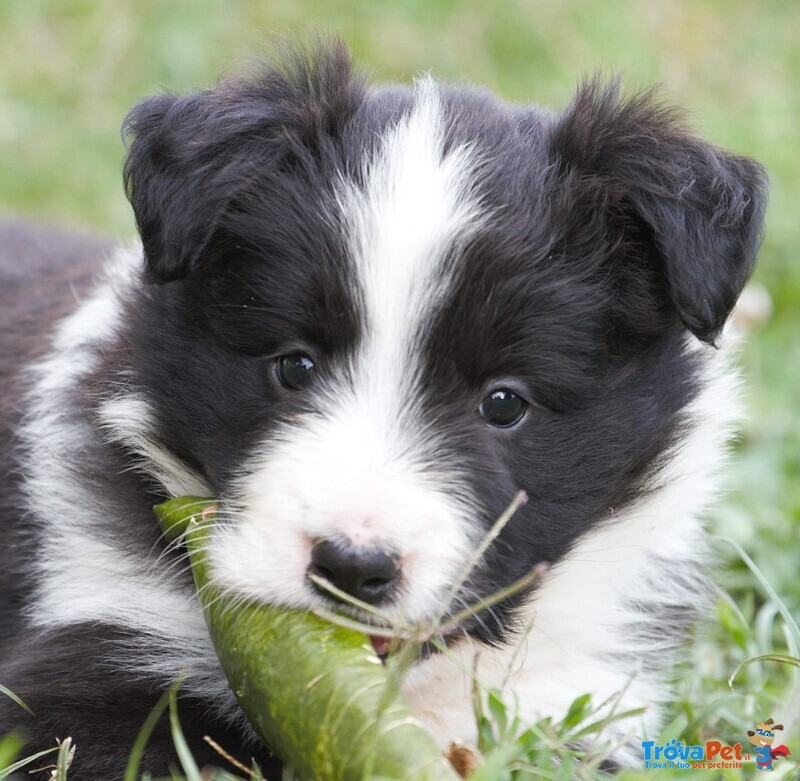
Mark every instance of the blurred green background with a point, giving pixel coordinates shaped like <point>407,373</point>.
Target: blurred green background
<point>70,69</point>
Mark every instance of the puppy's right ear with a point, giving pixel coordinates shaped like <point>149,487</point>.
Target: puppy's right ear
<point>171,176</point>
<point>191,159</point>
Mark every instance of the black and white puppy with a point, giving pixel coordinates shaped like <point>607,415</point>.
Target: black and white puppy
<point>366,317</point>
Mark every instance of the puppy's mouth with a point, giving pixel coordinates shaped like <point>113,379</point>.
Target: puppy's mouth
<point>386,646</point>
<point>470,621</point>
<point>382,646</point>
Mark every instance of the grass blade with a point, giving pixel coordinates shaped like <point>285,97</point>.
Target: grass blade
<point>474,560</point>
<point>143,738</point>
<point>181,746</point>
<point>228,757</point>
<point>66,751</point>
<point>10,746</point>
<point>11,695</point>
<point>780,658</point>
<point>7,771</point>
<point>766,585</point>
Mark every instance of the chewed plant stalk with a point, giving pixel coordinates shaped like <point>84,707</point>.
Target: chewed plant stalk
<point>314,691</point>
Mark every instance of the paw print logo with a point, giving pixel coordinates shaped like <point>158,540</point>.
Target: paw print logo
<point>672,750</point>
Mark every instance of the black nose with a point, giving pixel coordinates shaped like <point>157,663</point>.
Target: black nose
<point>367,574</point>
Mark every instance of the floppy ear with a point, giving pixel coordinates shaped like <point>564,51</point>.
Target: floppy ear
<point>171,176</point>
<point>777,726</point>
<point>190,158</point>
<point>699,209</point>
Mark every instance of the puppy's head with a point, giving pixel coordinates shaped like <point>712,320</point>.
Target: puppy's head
<point>373,316</point>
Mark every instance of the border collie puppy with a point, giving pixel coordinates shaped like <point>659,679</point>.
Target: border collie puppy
<point>366,318</point>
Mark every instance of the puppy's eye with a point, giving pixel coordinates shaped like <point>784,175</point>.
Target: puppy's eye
<point>503,408</point>
<point>295,371</point>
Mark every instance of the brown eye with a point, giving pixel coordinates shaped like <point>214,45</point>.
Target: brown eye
<point>295,371</point>
<point>503,408</point>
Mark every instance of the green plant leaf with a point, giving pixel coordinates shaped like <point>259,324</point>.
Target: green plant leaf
<point>7,771</point>
<point>65,753</point>
<point>674,729</point>
<point>780,658</point>
<point>11,695</point>
<point>143,738</point>
<point>767,586</point>
<point>495,765</point>
<point>497,710</point>
<point>181,746</point>
<point>580,708</point>
<point>10,746</point>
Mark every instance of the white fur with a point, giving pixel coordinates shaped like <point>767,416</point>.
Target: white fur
<point>82,575</point>
<point>362,466</point>
<point>110,585</point>
<point>128,418</point>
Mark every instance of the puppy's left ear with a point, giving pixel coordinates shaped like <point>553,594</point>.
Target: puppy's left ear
<point>699,209</point>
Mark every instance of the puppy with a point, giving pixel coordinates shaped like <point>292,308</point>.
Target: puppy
<point>366,318</point>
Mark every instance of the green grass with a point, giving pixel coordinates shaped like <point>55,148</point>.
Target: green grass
<point>69,70</point>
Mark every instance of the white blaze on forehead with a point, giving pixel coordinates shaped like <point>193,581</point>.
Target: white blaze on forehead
<point>367,466</point>
<point>417,206</point>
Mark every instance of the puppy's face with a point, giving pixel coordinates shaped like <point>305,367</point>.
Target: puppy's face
<point>391,311</point>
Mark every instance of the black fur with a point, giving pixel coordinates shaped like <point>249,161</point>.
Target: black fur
<point>613,231</point>
<point>698,210</point>
<point>194,159</point>
<point>64,676</point>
